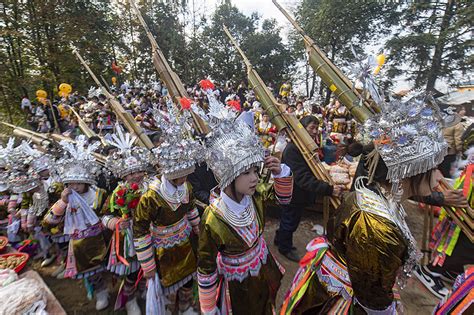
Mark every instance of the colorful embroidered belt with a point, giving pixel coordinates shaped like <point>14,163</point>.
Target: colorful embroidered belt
<point>89,232</point>
<point>334,274</point>
<point>239,267</point>
<point>171,235</point>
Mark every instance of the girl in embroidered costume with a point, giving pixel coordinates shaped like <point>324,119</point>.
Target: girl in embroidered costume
<point>129,163</point>
<point>38,200</point>
<point>27,177</point>
<point>7,199</point>
<point>78,206</point>
<point>369,244</point>
<point>9,216</point>
<point>236,272</point>
<point>266,130</point>
<point>166,215</point>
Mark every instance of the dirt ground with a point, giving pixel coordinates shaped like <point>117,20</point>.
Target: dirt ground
<point>416,299</point>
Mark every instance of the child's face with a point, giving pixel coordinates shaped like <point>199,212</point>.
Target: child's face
<point>80,188</point>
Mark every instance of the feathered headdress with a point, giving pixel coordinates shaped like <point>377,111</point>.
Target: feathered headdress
<point>363,71</point>
<point>5,153</point>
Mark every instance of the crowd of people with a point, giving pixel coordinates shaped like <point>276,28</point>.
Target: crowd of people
<point>140,99</point>
<point>190,211</point>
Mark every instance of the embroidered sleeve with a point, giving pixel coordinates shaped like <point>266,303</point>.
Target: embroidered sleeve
<point>208,293</point>
<point>30,219</point>
<point>100,198</point>
<point>109,221</point>
<point>193,218</point>
<point>13,203</point>
<point>56,212</point>
<point>283,185</point>
<point>145,252</point>
<point>207,270</point>
<point>4,202</point>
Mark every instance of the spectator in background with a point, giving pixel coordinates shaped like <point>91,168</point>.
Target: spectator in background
<point>306,190</point>
<point>452,132</point>
<point>26,105</point>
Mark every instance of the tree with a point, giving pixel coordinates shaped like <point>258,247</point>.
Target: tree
<point>432,41</point>
<point>336,26</point>
<point>222,62</point>
<point>269,56</point>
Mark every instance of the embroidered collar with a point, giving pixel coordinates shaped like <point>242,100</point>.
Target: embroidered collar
<point>238,215</point>
<point>234,206</point>
<point>174,196</point>
<point>172,193</point>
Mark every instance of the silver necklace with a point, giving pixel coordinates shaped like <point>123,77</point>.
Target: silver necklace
<point>246,217</point>
<point>176,197</point>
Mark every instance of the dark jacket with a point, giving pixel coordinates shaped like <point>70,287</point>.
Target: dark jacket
<point>307,189</point>
<point>202,181</point>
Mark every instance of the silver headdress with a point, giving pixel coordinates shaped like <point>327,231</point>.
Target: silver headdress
<point>77,165</point>
<point>4,163</point>
<point>362,71</point>
<point>21,181</point>
<point>450,117</point>
<point>40,161</point>
<point>137,84</point>
<point>178,153</point>
<point>129,158</point>
<point>232,147</point>
<point>94,92</point>
<point>22,177</point>
<point>408,136</point>
<point>5,153</point>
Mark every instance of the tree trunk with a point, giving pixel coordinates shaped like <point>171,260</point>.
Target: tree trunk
<point>306,81</point>
<point>439,48</point>
<point>313,85</point>
<point>331,58</point>
<point>7,105</point>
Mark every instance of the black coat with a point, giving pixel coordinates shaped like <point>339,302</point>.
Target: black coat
<point>202,181</point>
<point>306,189</point>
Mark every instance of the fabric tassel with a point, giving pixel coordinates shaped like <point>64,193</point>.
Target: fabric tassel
<point>71,269</point>
<point>122,298</point>
<point>89,289</point>
<point>155,299</point>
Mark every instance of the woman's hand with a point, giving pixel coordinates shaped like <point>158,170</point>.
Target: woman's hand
<point>273,164</point>
<point>455,198</point>
<point>65,194</point>
<point>124,224</point>
<point>337,190</point>
<point>149,274</point>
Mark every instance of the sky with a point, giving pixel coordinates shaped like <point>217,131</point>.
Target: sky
<point>267,9</point>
